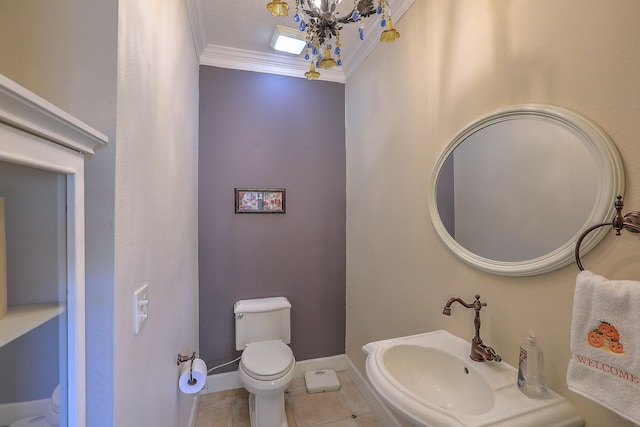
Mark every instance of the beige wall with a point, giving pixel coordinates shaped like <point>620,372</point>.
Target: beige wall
<point>129,69</point>
<point>455,61</point>
<point>156,211</point>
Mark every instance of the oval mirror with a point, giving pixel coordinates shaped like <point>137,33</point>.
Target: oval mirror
<point>513,191</point>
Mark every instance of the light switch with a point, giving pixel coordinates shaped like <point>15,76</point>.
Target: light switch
<point>141,307</point>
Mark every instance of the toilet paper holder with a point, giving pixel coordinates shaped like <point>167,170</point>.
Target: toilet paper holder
<point>182,359</point>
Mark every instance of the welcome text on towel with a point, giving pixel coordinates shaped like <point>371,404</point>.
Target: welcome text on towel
<point>607,368</point>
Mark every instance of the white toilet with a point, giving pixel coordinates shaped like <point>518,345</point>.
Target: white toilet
<point>263,330</point>
<point>51,417</point>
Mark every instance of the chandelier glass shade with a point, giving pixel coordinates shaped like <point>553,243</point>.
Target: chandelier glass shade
<point>322,22</point>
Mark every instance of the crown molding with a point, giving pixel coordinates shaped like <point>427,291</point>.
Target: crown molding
<point>195,11</point>
<point>249,60</point>
<point>372,38</point>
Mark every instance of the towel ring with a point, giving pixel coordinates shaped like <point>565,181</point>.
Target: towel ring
<point>630,222</point>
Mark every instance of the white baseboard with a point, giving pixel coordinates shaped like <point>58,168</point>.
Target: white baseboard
<point>231,381</point>
<point>221,382</point>
<point>383,413</point>
<point>337,363</point>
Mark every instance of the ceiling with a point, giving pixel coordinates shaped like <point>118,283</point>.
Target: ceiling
<point>236,34</point>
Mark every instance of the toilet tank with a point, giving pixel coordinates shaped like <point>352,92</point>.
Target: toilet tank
<point>262,319</point>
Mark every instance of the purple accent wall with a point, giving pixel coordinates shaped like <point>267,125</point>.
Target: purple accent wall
<point>267,131</point>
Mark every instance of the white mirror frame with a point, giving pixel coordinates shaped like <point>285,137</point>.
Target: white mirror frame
<point>610,178</point>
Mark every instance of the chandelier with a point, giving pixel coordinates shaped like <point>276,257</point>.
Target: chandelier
<point>321,22</point>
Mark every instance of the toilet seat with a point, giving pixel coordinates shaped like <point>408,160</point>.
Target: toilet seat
<point>267,360</point>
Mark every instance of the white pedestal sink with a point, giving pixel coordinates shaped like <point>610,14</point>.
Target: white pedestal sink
<point>430,380</point>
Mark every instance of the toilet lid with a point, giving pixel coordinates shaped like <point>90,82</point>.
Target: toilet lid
<point>267,360</point>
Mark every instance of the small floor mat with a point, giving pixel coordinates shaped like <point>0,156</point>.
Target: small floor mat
<point>321,380</point>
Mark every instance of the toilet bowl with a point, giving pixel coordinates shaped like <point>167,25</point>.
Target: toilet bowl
<point>267,365</point>
<point>51,418</point>
<point>266,370</point>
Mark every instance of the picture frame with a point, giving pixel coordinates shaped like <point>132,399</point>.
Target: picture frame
<point>260,200</point>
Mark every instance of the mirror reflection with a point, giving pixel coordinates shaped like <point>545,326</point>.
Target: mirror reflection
<point>514,189</point>
<point>507,188</point>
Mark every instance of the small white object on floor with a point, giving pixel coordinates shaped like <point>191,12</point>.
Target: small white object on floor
<point>321,380</point>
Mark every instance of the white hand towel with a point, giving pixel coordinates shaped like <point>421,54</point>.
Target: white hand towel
<point>605,343</point>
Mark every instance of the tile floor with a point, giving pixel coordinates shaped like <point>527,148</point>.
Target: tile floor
<point>343,408</point>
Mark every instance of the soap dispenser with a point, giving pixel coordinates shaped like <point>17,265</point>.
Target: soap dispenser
<point>531,380</point>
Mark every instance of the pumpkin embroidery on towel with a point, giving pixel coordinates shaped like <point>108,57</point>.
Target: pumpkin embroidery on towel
<point>606,334</point>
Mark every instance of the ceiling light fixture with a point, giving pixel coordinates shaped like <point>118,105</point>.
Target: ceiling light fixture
<point>288,40</point>
<point>321,22</point>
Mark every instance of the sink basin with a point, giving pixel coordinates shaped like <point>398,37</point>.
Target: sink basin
<point>430,381</point>
<point>438,377</point>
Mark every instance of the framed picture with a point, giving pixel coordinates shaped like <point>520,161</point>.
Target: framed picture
<point>260,200</point>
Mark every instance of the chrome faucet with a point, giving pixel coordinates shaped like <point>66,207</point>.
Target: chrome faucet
<point>479,351</point>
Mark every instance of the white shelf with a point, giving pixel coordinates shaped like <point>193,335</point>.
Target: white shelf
<point>20,319</point>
